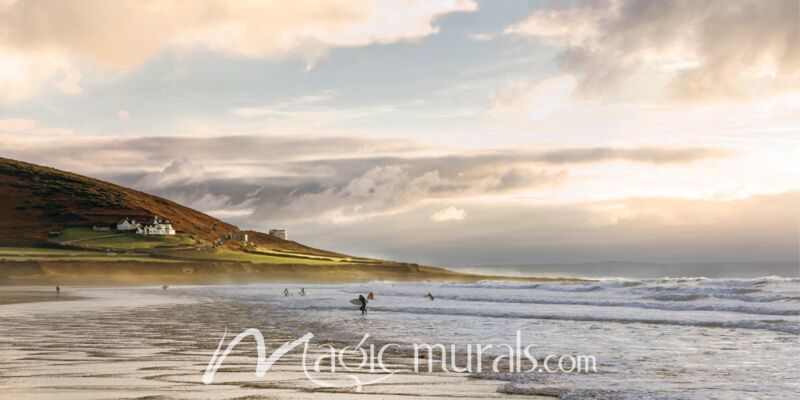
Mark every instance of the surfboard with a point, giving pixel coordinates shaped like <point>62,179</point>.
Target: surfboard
<point>356,302</point>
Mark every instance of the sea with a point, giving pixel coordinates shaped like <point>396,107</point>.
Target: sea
<point>652,338</point>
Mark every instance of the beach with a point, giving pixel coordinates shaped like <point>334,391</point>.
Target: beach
<point>689,338</point>
<point>136,343</point>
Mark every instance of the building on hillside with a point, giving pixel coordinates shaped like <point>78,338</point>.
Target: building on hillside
<point>127,224</point>
<point>239,236</point>
<point>279,233</point>
<point>156,227</point>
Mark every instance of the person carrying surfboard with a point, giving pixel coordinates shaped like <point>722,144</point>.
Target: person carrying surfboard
<point>363,304</point>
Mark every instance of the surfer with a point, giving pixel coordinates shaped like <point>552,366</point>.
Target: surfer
<point>370,296</point>
<point>58,290</point>
<point>429,296</point>
<point>302,291</point>
<point>363,304</point>
<point>164,286</point>
<point>286,292</point>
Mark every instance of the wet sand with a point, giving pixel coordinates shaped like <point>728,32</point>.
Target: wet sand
<point>129,343</point>
<point>33,295</point>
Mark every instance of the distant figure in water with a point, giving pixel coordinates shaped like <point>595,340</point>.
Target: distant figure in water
<point>164,286</point>
<point>286,292</point>
<point>370,296</point>
<point>58,290</point>
<point>363,304</point>
<point>429,296</point>
<point>302,291</point>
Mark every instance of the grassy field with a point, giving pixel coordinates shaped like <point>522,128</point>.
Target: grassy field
<point>87,238</point>
<point>72,234</point>
<point>48,254</point>
<point>142,250</point>
<point>82,243</point>
<point>328,259</point>
<point>240,256</point>
<point>130,241</point>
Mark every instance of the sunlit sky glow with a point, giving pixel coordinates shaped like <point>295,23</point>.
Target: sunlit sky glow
<point>447,132</point>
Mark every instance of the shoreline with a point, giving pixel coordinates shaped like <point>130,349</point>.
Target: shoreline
<point>33,295</point>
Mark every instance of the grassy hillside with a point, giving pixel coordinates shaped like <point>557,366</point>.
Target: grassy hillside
<point>35,200</point>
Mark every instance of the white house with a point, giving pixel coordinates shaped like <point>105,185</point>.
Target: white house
<point>156,227</point>
<point>279,233</point>
<point>127,224</point>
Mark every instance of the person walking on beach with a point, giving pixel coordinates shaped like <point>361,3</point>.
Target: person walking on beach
<point>286,292</point>
<point>58,290</point>
<point>363,304</point>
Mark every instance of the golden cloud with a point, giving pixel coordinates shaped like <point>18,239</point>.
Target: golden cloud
<point>43,39</point>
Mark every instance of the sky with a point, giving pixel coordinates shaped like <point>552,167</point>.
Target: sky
<point>454,133</point>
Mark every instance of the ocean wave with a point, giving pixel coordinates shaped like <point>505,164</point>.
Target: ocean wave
<point>563,393</point>
<point>491,285</point>
<point>571,289</point>
<point>549,286</point>
<point>664,302</point>
<point>745,294</point>
<point>776,325</point>
<point>574,394</point>
<point>744,309</point>
<point>562,386</point>
<point>755,299</point>
<point>780,325</point>
<point>753,281</point>
<point>683,279</point>
<point>678,297</point>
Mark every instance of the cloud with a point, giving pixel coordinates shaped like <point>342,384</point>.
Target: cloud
<point>311,110</point>
<point>449,214</point>
<point>482,37</point>
<point>22,132</point>
<point>181,171</point>
<point>537,102</point>
<point>708,50</point>
<point>23,73</point>
<point>756,228</point>
<point>237,154</point>
<point>298,155</point>
<point>43,40</point>
<point>299,178</point>
<point>286,107</point>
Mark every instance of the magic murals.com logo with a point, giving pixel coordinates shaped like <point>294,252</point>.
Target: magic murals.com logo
<point>364,364</point>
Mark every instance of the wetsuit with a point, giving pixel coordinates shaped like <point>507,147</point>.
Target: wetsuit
<point>363,304</point>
